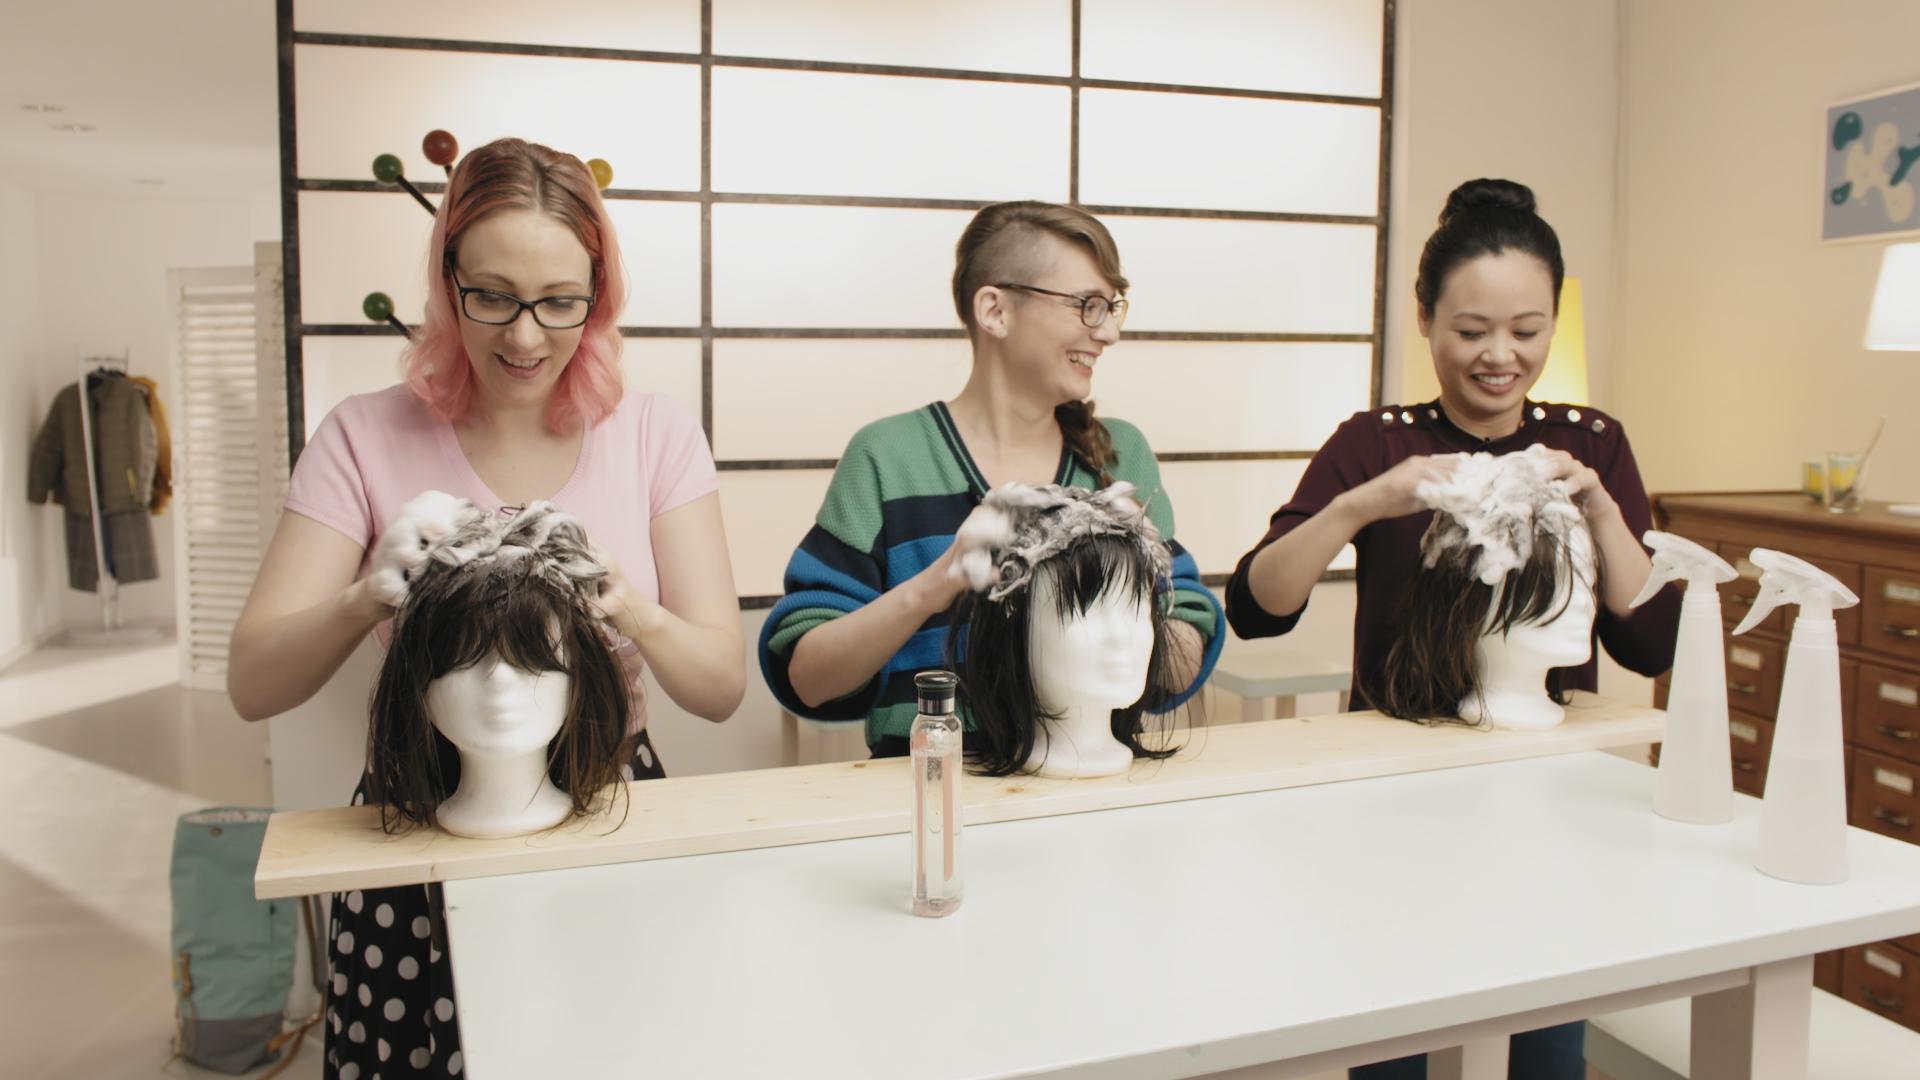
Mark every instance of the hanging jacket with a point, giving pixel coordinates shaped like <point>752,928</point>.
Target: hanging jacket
<point>163,445</point>
<point>127,456</point>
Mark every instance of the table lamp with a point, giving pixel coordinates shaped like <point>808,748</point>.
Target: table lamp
<point>1894,321</point>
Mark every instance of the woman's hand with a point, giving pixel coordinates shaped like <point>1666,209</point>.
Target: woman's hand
<point>967,564</point>
<point>425,520</point>
<point>1625,562</point>
<point>622,606</point>
<point>1392,493</point>
<point>1584,487</point>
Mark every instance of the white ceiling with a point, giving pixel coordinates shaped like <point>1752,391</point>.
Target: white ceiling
<point>179,91</point>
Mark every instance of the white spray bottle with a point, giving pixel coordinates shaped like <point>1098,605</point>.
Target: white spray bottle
<point>1695,784</point>
<point>1803,818</point>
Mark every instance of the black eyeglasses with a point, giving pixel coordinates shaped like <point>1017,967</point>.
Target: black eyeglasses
<point>1093,309</point>
<point>495,308</point>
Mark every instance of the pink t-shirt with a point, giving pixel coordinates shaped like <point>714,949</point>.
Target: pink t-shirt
<point>375,451</point>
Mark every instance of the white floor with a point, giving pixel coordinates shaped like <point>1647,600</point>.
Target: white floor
<point>100,750</point>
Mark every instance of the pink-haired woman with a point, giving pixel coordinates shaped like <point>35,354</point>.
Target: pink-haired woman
<point>513,393</point>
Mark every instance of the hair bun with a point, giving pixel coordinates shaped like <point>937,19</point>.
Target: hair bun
<point>1477,196</point>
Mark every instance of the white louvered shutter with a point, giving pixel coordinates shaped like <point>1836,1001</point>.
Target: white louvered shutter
<point>229,445</point>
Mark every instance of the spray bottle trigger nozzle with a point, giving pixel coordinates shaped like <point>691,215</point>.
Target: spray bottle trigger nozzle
<point>1785,579</point>
<point>1678,558</point>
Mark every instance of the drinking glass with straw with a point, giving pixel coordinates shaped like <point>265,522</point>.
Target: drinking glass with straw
<point>1846,473</point>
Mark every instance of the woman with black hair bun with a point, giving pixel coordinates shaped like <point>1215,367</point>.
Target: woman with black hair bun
<point>1487,294</point>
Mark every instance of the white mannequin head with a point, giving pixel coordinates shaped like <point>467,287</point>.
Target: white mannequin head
<point>1505,592</point>
<point>502,721</point>
<point>1066,653</point>
<point>1511,668</point>
<point>1085,665</point>
<point>502,705</point>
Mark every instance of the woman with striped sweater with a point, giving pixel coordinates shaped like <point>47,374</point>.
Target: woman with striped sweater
<point>1040,290</point>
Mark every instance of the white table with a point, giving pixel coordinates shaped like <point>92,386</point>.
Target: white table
<point>1273,668</point>
<point>1318,926</point>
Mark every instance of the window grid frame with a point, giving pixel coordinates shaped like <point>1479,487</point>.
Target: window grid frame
<point>292,184</point>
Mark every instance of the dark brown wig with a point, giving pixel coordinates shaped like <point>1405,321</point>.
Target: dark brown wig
<point>1447,610</point>
<point>996,676</point>
<point>522,590</point>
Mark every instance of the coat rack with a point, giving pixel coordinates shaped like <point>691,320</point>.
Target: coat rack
<point>112,631</point>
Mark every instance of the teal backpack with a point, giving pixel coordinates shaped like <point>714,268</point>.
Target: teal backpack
<point>232,954</point>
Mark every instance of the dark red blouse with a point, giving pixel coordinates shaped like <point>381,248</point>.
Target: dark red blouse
<point>1370,443</point>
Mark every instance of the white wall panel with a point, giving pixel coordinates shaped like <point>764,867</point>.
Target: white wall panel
<point>1190,397</point>
<point>767,514</point>
<point>353,243</point>
<point>819,133</point>
<point>834,266</point>
<point>1247,276</point>
<point>1027,36</point>
<point>1221,508</point>
<point>660,245</point>
<point>1305,46</point>
<point>648,25</point>
<point>669,366</point>
<point>336,367</point>
<point>1222,153</point>
<point>838,385</point>
<point>644,119</point>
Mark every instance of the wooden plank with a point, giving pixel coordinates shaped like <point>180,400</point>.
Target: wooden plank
<point>315,851</point>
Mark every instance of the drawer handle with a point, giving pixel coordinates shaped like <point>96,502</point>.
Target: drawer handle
<point>1744,687</point>
<point>1743,766</point>
<point>1901,631</point>
<point>1898,821</point>
<point>1884,1004</point>
<point>1892,732</point>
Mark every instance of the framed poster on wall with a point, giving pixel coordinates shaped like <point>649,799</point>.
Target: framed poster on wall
<point>1872,186</point>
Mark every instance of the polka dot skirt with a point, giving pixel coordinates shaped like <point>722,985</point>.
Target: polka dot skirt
<point>390,1004</point>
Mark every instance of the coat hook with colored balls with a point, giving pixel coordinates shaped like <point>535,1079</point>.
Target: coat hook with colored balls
<point>602,173</point>
<point>378,307</point>
<point>441,148</point>
<point>388,169</point>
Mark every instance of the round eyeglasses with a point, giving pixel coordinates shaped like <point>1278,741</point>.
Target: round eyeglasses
<point>1093,309</point>
<point>495,308</point>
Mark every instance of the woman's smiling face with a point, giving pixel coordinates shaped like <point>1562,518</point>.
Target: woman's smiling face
<point>1489,334</point>
<point>529,255</point>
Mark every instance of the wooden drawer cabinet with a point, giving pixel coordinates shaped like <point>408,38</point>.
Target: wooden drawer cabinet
<point>1885,795</point>
<point>1885,979</point>
<point>1886,712</point>
<point>1753,674</point>
<point>1877,555</point>
<point>1752,745</point>
<point>1890,613</point>
<point>1826,971</point>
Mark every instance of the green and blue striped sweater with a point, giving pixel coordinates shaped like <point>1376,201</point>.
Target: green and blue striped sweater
<point>902,488</point>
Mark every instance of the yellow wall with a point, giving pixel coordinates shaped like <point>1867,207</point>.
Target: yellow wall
<point>1740,331</point>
